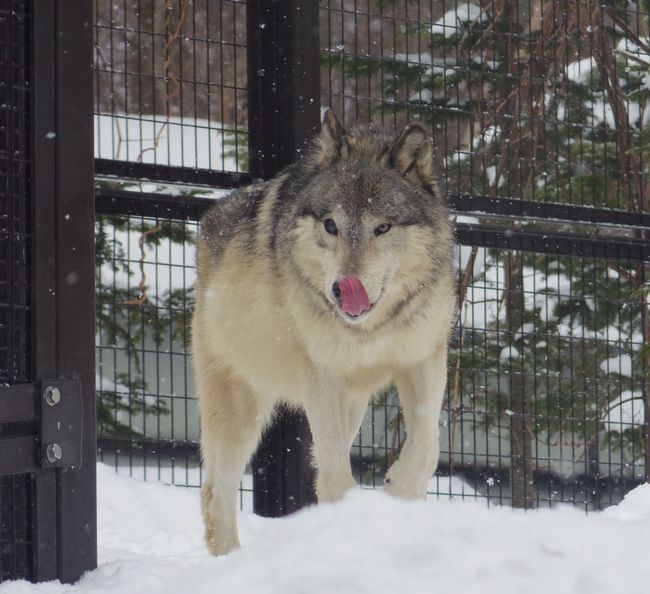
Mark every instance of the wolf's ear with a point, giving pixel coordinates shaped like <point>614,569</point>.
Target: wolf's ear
<point>331,143</point>
<point>412,151</point>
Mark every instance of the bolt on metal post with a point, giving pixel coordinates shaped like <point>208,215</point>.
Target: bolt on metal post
<point>52,395</point>
<point>53,452</point>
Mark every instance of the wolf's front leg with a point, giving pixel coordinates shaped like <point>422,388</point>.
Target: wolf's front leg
<point>334,419</point>
<point>232,418</point>
<point>420,390</point>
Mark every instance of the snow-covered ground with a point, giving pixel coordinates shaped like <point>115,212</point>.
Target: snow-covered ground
<point>150,541</point>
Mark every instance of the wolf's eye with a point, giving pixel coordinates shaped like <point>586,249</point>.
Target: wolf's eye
<point>381,229</point>
<point>330,227</point>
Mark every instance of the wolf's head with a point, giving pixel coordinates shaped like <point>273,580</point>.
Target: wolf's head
<point>363,223</point>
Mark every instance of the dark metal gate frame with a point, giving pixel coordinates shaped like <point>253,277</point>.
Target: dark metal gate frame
<point>284,111</point>
<point>51,421</point>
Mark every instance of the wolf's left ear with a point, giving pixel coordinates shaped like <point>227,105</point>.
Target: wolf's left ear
<point>331,142</point>
<point>412,152</point>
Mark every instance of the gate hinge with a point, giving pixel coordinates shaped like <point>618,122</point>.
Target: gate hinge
<point>60,423</point>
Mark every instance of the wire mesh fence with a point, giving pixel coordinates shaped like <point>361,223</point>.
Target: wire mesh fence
<point>171,83</point>
<point>14,206</point>
<point>16,539</point>
<point>536,100</point>
<point>144,288</point>
<point>548,380</point>
<point>560,375</point>
<point>536,103</point>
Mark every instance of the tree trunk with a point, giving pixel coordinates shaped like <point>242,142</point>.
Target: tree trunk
<point>521,463</point>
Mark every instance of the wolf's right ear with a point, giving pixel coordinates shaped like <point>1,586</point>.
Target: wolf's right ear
<point>412,153</point>
<point>331,143</point>
<point>412,150</point>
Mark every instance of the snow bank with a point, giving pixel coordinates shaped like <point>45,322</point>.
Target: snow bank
<point>452,20</point>
<point>622,364</point>
<point>634,507</point>
<point>150,541</point>
<point>625,411</point>
<point>183,142</point>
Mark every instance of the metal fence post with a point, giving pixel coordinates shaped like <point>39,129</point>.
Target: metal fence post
<point>47,466</point>
<point>65,507</point>
<point>283,112</point>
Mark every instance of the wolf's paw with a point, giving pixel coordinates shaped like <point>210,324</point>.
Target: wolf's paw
<point>219,546</point>
<point>403,487</point>
<point>334,488</point>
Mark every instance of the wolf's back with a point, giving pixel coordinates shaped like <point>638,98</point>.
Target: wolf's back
<point>231,216</point>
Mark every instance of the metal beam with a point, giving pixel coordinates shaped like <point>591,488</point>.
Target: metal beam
<point>283,82</point>
<point>166,206</point>
<point>546,211</point>
<point>17,455</point>
<point>63,272</point>
<point>565,244</point>
<point>623,245</point>
<point>43,113</point>
<point>75,276</point>
<point>17,403</point>
<point>170,174</point>
<point>284,113</point>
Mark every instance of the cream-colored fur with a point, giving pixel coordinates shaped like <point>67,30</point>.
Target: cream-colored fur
<point>258,339</point>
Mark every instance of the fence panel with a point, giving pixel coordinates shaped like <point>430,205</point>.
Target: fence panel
<point>171,87</point>
<point>538,116</point>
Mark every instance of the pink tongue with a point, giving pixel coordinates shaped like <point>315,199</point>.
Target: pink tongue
<point>354,299</point>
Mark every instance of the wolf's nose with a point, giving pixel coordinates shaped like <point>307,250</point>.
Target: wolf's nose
<point>336,290</point>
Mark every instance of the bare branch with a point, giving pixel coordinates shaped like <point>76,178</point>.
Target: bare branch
<point>142,287</point>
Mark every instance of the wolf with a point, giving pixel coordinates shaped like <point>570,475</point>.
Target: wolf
<point>317,289</point>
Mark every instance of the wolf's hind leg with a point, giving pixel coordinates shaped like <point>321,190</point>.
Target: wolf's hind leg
<point>420,390</point>
<point>232,419</point>
<point>334,419</point>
